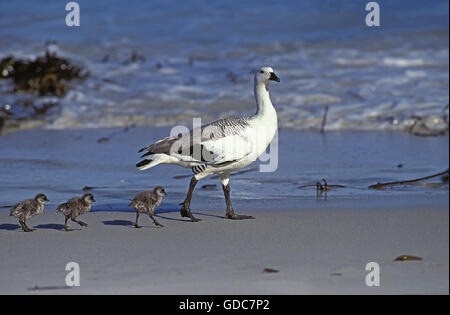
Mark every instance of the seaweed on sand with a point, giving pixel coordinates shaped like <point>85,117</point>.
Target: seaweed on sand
<point>382,186</point>
<point>322,187</point>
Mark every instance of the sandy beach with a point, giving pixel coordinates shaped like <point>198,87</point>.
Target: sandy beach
<point>356,175</point>
<point>315,252</point>
<point>318,244</point>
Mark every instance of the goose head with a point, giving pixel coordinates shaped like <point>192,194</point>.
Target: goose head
<point>265,75</point>
<point>41,198</point>
<point>88,198</point>
<point>160,191</point>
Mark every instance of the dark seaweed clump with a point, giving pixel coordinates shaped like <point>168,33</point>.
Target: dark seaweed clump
<point>47,75</point>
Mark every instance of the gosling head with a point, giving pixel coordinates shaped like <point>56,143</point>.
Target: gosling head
<point>89,198</point>
<point>265,75</point>
<point>41,198</point>
<point>160,191</point>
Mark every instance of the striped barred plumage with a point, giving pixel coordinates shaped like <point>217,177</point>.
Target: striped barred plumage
<point>199,168</point>
<point>224,127</point>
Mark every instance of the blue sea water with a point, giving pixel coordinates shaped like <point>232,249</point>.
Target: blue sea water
<point>199,56</point>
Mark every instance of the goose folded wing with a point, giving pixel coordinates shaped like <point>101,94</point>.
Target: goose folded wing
<point>218,143</point>
<point>226,150</point>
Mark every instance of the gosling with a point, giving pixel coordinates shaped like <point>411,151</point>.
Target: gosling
<point>29,208</point>
<point>76,207</point>
<point>147,201</point>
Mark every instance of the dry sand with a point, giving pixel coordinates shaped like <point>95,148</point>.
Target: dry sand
<point>315,251</point>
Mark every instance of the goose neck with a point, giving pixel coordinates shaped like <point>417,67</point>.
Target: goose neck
<point>263,103</point>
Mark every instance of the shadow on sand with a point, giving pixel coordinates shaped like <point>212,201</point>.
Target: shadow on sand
<point>126,224</point>
<point>159,213</point>
<point>51,226</point>
<point>9,227</point>
<point>119,223</point>
<point>197,214</point>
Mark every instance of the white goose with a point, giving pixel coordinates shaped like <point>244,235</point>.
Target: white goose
<point>221,147</point>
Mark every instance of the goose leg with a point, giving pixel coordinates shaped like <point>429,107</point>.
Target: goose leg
<point>24,226</point>
<point>79,222</point>
<point>136,225</point>
<point>29,229</point>
<point>230,212</point>
<point>186,204</point>
<point>65,224</point>
<point>154,220</point>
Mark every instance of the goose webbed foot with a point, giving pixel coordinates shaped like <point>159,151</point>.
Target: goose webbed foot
<point>186,212</point>
<point>82,223</point>
<point>25,228</point>
<point>233,216</point>
<point>154,220</point>
<point>230,212</point>
<point>137,226</point>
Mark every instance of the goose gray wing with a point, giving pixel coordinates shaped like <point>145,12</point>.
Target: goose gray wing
<point>217,143</point>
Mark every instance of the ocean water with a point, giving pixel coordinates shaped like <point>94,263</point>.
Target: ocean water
<point>199,56</point>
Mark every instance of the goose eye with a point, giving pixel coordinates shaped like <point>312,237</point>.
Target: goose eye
<point>261,71</point>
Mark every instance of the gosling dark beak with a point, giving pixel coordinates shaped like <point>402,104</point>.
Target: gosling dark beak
<point>274,77</point>
<point>93,200</point>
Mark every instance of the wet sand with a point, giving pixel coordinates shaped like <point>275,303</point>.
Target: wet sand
<point>318,243</point>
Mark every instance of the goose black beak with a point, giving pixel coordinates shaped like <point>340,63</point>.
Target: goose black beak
<point>274,77</point>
